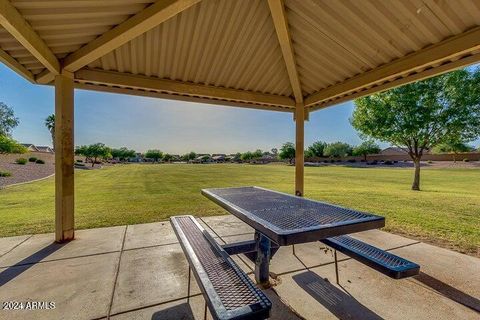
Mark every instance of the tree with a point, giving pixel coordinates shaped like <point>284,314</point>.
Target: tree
<point>421,115</point>
<point>453,146</point>
<point>50,124</point>
<point>337,150</point>
<point>8,145</point>
<point>257,154</point>
<point>237,157</point>
<point>154,154</point>
<point>274,151</point>
<point>82,151</point>
<point>247,156</point>
<point>96,151</point>
<point>189,156</point>
<point>287,152</point>
<point>8,121</point>
<point>123,153</point>
<point>93,152</point>
<point>316,149</point>
<point>366,148</point>
<point>167,157</point>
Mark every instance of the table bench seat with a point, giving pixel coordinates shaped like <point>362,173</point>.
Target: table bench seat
<point>228,291</point>
<point>378,259</point>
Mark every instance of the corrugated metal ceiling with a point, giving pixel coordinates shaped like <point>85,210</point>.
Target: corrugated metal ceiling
<point>230,44</point>
<point>233,43</point>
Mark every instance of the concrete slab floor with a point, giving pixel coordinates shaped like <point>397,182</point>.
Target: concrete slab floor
<point>227,225</point>
<point>149,234</point>
<point>80,287</point>
<point>364,294</point>
<point>140,272</point>
<point>41,247</point>
<point>151,276</point>
<point>7,244</point>
<point>193,309</point>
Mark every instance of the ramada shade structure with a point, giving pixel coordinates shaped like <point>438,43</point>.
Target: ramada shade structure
<point>292,56</point>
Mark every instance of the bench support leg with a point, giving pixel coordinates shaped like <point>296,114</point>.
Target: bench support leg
<point>189,280</point>
<point>262,261</point>
<point>336,265</point>
<point>205,311</point>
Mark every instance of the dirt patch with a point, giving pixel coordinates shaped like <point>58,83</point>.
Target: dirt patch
<point>28,172</point>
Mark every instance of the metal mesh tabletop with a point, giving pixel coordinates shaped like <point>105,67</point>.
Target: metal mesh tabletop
<point>288,219</point>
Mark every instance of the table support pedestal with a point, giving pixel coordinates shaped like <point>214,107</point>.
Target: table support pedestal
<point>262,261</point>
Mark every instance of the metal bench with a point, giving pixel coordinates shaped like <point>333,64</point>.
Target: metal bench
<point>228,291</point>
<point>382,261</point>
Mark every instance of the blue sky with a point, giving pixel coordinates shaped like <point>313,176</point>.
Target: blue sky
<point>171,126</point>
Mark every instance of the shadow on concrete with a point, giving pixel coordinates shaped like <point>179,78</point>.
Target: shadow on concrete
<point>280,311</point>
<point>22,266</point>
<point>339,303</point>
<point>177,312</point>
<point>448,291</point>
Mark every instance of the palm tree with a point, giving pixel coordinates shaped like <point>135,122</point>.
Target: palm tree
<point>50,124</point>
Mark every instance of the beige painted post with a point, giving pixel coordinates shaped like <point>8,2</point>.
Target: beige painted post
<point>299,146</point>
<point>64,157</point>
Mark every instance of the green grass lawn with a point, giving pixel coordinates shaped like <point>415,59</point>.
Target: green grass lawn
<point>446,212</point>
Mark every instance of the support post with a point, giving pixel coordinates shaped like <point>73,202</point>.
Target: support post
<point>262,260</point>
<point>299,148</point>
<point>64,157</point>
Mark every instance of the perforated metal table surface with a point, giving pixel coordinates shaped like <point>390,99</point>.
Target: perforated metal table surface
<point>287,219</point>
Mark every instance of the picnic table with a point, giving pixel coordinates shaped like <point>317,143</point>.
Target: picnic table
<point>286,220</point>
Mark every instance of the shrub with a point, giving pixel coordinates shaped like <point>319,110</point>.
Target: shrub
<point>388,162</point>
<point>40,161</point>
<point>79,160</point>
<point>8,145</point>
<point>21,161</point>
<point>5,174</point>
<point>352,160</point>
<point>338,160</point>
<point>466,160</point>
<point>395,161</point>
<point>325,161</point>
<point>32,159</point>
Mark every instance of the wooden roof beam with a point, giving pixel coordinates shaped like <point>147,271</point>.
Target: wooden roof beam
<point>140,23</point>
<point>44,77</point>
<point>21,30</point>
<point>451,47</point>
<point>13,64</point>
<point>277,9</point>
<point>177,88</point>
<point>444,68</point>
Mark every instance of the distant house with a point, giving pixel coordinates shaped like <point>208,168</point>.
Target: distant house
<point>393,151</point>
<point>202,158</point>
<point>396,151</point>
<point>219,158</point>
<point>30,147</point>
<point>45,149</point>
<point>138,158</point>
